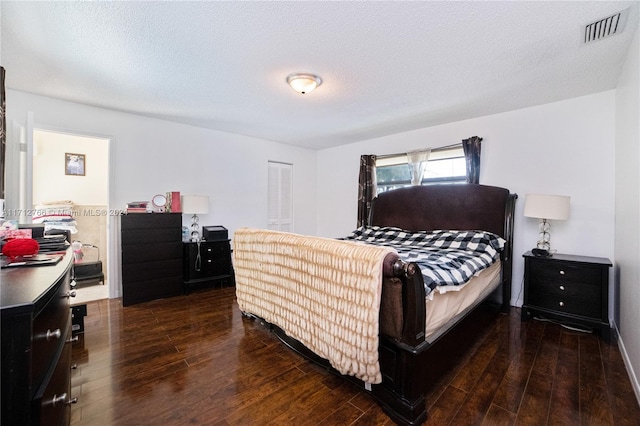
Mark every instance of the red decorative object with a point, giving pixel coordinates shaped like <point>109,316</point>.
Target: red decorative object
<point>175,202</point>
<point>20,247</point>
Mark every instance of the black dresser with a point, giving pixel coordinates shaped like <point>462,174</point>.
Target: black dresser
<point>151,256</point>
<point>572,290</point>
<point>207,263</point>
<point>36,344</point>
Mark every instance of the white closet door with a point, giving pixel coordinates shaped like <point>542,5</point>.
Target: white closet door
<point>280,197</point>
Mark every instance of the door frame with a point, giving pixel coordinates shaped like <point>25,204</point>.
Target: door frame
<point>113,271</point>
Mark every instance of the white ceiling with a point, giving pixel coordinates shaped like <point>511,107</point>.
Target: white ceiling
<point>387,67</point>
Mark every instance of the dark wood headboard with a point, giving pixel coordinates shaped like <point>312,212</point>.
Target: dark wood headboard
<point>427,208</point>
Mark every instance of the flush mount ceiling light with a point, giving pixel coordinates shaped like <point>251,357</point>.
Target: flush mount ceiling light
<point>303,82</point>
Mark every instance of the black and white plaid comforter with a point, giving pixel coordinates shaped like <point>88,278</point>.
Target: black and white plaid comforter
<point>445,257</point>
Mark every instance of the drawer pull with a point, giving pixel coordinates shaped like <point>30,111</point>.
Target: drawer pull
<point>561,272</point>
<point>57,399</point>
<point>73,339</point>
<point>562,287</point>
<point>561,303</point>
<point>209,250</point>
<point>72,293</point>
<point>209,261</point>
<point>74,366</point>
<point>55,333</point>
<point>61,399</point>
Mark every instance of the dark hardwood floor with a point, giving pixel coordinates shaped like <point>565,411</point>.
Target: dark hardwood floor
<point>194,360</point>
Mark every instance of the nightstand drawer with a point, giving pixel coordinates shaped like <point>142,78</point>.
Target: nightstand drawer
<point>565,272</point>
<point>566,297</point>
<point>216,266</point>
<point>211,249</point>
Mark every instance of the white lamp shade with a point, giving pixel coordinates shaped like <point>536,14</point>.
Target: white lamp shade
<point>553,207</point>
<point>195,204</point>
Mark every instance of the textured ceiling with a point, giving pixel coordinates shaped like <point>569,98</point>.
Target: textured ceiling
<point>387,67</point>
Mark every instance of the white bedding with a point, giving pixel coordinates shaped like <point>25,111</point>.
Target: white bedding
<point>443,307</point>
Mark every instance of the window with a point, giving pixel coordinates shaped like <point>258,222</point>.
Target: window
<point>445,165</point>
<point>279,197</point>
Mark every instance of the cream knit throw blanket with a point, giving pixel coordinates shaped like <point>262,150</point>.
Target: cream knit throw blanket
<point>324,293</point>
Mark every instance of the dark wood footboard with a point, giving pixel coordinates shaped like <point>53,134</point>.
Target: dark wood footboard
<point>401,393</point>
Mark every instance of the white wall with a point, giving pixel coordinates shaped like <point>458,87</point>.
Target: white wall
<point>564,148</point>
<point>627,226</point>
<point>150,156</point>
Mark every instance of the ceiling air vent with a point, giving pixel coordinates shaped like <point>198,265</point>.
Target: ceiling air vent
<point>605,27</point>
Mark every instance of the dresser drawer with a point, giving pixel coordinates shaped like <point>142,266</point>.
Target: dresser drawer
<point>565,272</point>
<point>143,291</point>
<point>54,397</point>
<point>145,236</point>
<point>49,331</point>
<point>145,253</point>
<point>133,272</point>
<point>566,297</point>
<point>150,221</point>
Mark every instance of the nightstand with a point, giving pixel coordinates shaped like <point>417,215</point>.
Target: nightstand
<point>206,264</point>
<point>574,290</point>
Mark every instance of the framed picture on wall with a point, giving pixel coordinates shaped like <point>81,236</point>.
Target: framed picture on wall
<point>74,164</point>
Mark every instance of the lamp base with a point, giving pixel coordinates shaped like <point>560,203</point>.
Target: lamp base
<point>540,252</point>
<point>195,228</point>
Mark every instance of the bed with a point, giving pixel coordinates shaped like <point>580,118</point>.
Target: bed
<point>364,312</point>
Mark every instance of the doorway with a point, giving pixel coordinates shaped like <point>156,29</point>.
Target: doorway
<point>70,195</point>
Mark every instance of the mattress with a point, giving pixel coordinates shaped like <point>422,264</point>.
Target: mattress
<point>443,309</point>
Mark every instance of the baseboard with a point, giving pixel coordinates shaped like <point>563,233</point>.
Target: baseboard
<point>627,362</point>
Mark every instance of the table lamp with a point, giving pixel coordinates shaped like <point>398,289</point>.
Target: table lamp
<point>545,208</point>
<point>195,205</point>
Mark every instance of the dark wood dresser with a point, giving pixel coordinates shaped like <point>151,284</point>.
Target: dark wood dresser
<point>207,263</point>
<point>36,348</point>
<point>151,256</point>
<point>573,290</point>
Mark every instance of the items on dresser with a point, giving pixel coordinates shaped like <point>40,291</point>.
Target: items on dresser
<point>207,263</point>
<point>151,256</point>
<point>35,260</point>
<point>36,344</point>
<point>573,290</point>
<point>53,243</point>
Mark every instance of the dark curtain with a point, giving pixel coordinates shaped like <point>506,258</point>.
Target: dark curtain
<point>366,187</point>
<point>3,132</point>
<point>471,149</point>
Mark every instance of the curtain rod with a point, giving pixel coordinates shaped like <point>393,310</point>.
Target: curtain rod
<point>441,148</point>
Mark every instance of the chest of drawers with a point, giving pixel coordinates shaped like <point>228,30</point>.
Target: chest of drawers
<point>573,290</point>
<point>151,256</point>
<point>36,348</point>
